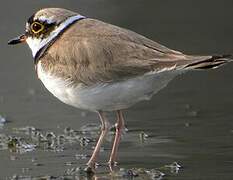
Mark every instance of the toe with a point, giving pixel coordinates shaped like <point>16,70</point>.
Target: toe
<point>89,170</point>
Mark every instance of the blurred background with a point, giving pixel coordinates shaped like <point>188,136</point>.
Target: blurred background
<point>189,122</point>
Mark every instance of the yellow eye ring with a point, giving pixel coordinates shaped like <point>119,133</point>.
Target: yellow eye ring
<point>37,27</point>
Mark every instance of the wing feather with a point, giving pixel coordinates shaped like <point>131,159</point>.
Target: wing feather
<point>92,51</point>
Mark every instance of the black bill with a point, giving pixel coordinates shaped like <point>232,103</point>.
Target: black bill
<point>17,40</point>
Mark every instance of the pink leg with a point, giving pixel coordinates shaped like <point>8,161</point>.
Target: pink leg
<point>104,131</point>
<point>119,128</point>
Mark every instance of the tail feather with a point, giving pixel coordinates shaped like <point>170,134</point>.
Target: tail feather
<point>210,63</point>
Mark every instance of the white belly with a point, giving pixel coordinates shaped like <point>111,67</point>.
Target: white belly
<point>107,96</point>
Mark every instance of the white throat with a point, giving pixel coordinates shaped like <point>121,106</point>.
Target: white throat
<point>36,44</point>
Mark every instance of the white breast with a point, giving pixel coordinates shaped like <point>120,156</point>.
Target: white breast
<point>106,96</point>
<point>57,86</point>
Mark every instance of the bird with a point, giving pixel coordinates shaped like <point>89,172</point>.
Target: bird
<point>93,65</point>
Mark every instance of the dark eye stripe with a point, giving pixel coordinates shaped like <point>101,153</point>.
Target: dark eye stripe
<point>47,27</point>
<point>44,23</point>
<point>31,19</point>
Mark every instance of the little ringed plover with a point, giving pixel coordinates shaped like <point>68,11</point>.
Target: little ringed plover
<point>93,65</point>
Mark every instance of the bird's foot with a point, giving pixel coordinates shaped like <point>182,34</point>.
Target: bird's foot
<point>112,165</point>
<point>90,169</point>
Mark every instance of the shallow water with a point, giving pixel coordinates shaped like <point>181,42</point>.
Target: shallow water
<point>188,122</point>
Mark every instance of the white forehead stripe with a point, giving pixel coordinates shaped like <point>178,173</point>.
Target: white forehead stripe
<point>49,20</point>
<point>36,44</point>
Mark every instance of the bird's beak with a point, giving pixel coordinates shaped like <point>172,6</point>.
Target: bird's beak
<point>17,40</point>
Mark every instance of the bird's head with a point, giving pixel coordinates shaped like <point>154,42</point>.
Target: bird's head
<point>45,25</point>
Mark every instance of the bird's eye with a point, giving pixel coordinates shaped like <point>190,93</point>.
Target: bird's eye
<point>37,27</point>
